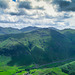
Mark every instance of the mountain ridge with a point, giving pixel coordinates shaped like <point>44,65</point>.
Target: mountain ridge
<point>10,30</point>
<point>39,46</point>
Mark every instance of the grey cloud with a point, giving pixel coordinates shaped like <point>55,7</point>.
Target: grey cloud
<point>3,4</point>
<point>6,21</point>
<point>40,8</point>
<point>36,18</point>
<point>20,12</point>
<point>25,4</point>
<point>64,5</point>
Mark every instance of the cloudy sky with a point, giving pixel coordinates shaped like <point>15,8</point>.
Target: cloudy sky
<point>41,13</point>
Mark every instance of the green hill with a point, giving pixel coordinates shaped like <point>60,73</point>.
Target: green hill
<point>38,52</point>
<point>39,47</point>
<point>10,30</point>
<point>69,68</point>
<point>70,34</point>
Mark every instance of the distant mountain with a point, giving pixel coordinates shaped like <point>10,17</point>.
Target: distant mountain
<point>10,30</point>
<point>39,46</point>
<point>30,28</point>
<point>53,28</point>
<point>67,31</point>
<point>70,34</point>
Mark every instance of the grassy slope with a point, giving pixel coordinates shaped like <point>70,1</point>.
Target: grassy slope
<point>40,47</point>
<point>18,47</point>
<point>70,34</point>
<point>67,69</point>
<point>10,30</point>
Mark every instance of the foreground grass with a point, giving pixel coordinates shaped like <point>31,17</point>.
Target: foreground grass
<point>50,69</point>
<point>47,71</point>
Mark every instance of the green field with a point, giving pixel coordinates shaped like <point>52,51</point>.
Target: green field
<point>50,69</point>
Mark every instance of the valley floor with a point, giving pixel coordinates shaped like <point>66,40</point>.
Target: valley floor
<point>66,67</point>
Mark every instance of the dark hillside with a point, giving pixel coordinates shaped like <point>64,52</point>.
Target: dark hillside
<point>40,46</point>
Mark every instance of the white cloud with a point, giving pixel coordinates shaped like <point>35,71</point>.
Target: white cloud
<point>35,13</point>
